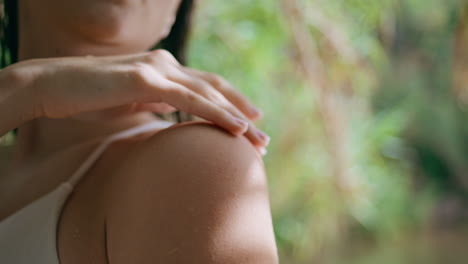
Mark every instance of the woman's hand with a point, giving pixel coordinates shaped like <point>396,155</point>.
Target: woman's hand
<point>66,87</point>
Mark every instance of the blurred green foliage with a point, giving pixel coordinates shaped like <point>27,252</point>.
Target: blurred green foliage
<point>405,131</point>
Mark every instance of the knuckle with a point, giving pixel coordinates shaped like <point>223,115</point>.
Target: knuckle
<point>171,93</point>
<point>141,73</point>
<point>14,75</point>
<point>201,84</point>
<point>217,98</point>
<point>217,80</point>
<point>163,54</point>
<point>213,98</point>
<point>20,75</point>
<point>209,92</point>
<point>151,58</point>
<point>191,97</point>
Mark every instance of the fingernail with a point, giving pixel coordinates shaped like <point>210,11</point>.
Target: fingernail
<point>255,111</point>
<point>263,136</point>
<point>240,122</point>
<point>263,151</point>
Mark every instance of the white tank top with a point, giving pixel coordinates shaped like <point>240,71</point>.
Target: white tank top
<point>29,236</point>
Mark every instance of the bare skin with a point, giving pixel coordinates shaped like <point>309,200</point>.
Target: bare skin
<point>148,208</point>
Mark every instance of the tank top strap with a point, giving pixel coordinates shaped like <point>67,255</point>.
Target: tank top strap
<point>80,172</point>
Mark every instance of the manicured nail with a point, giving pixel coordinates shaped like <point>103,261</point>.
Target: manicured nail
<point>240,122</point>
<point>255,111</point>
<point>263,136</point>
<point>263,151</point>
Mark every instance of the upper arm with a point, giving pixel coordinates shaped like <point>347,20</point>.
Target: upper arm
<point>191,194</point>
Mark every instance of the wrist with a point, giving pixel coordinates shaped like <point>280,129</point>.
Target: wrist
<point>18,103</point>
<point>19,81</point>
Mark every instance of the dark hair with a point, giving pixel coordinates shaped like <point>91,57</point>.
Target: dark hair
<point>9,38</point>
<point>176,42</point>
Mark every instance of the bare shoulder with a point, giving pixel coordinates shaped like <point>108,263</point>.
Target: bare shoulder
<point>191,193</point>
<point>195,149</point>
<point>199,139</point>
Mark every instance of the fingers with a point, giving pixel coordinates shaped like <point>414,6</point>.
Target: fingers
<point>189,101</point>
<point>155,108</point>
<point>228,91</point>
<point>152,57</point>
<point>203,94</point>
<point>256,136</point>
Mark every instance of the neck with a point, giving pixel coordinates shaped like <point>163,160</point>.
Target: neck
<point>43,136</point>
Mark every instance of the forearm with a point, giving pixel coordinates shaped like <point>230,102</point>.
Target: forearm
<point>16,105</point>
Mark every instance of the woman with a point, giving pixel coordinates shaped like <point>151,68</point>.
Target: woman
<point>94,176</point>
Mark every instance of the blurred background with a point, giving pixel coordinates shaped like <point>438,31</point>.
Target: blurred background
<point>366,103</point>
